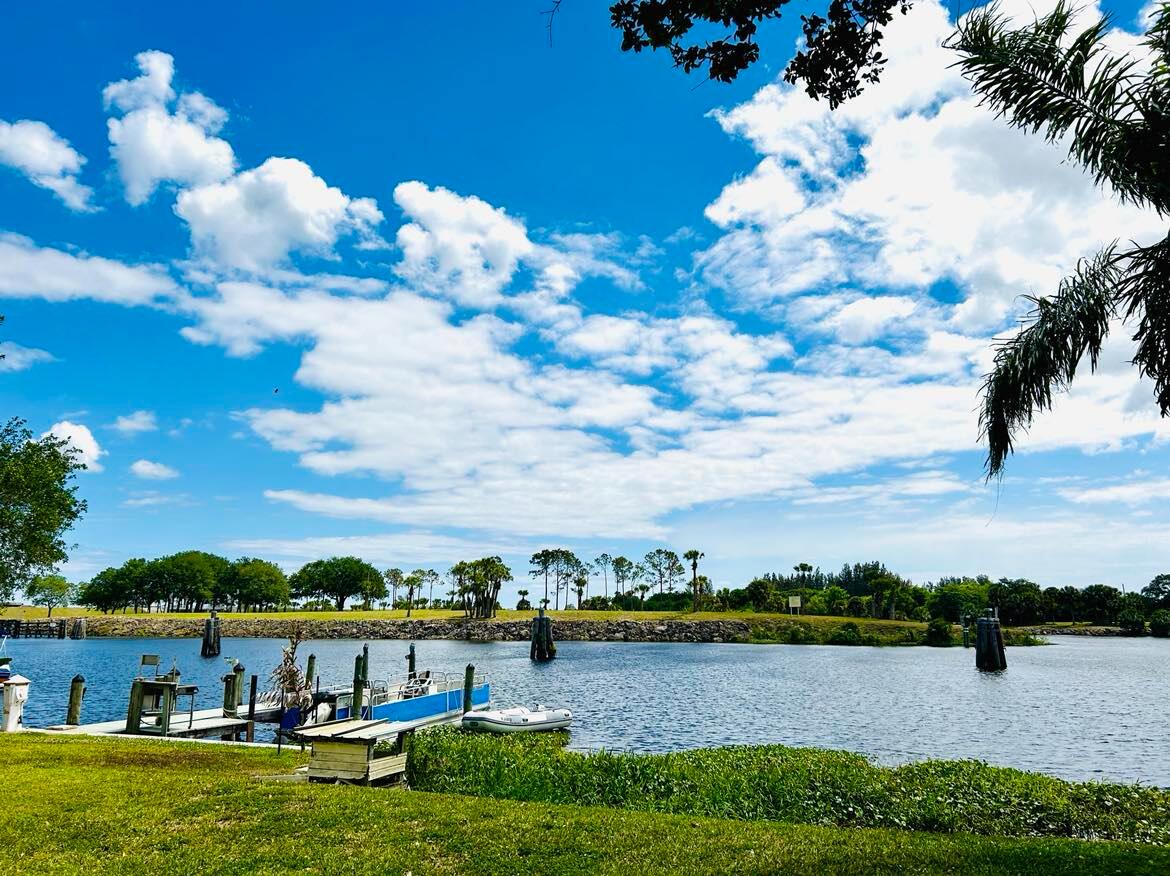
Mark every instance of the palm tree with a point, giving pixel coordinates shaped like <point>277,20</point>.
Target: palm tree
<point>643,589</point>
<point>693,556</point>
<point>1111,111</point>
<point>524,603</point>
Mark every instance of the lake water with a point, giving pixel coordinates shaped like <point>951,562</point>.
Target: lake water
<point>1079,708</point>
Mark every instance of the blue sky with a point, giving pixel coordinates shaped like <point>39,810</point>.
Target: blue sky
<point>415,285</point>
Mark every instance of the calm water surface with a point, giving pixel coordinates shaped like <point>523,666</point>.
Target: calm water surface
<point>1080,708</point>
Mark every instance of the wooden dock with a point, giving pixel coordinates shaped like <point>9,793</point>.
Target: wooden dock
<point>200,724</point>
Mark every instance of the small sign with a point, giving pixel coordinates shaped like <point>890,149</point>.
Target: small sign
<point>794,602</point>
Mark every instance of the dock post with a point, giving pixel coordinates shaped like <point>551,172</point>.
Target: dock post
<point>365,662</point>
<point>410,661</point>
<point>250,733</point>
<point>210,646</point>
<point>134,712</point>
<point>965,623</point>
<point>359,686</point>
<point>76,694</point>
<point>238,684</point>
<point>468,686</point>
<point>310,670</point>
<point>229,695</point>
<point>543,647</point>
<point>989,653</point>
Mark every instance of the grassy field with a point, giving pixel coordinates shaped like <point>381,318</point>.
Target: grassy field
<point>37,613</point>
<point>74,805</point>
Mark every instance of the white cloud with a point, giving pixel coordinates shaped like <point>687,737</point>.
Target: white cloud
<point>29,271</point>
<point>139,421</point>
<point>46,158</point>
<point>943,191</point>
<point>153,143</point>
<point>255,219</point>
<point>18,358</point>
<point>152,471</point>
<point>866,318</point>
<point>81,439</point>
<point>1138,492</point>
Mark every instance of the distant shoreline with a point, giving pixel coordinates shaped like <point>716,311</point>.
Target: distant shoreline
<point>740,628</point>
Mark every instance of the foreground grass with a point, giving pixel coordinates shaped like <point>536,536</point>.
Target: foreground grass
<point>779,783</point>
<point>75,805</point>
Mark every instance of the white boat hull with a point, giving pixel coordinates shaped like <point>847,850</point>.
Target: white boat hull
<point>518,720</point>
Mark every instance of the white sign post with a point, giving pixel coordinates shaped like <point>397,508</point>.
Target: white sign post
<point>794,605</point>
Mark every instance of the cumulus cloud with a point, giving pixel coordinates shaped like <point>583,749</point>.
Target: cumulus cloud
<point>30,271</point>
<point>46,159</point>
<point>82,440</point>
<point>152,471</point>
<point>159,139</point>
<point>139,421</point>
<point>14,357</point>
<point>257,218</point>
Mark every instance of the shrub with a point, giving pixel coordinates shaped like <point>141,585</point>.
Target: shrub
<point>799,785</point>
<point>1132,623</point>
<point>1160,623</point>
<point>938,633</point>
<point>846,634</point>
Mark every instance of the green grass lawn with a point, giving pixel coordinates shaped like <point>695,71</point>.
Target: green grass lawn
<point>32,612</point>
<point>75,805</point>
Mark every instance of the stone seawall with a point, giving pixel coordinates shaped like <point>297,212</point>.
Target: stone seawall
<point>130,627</point>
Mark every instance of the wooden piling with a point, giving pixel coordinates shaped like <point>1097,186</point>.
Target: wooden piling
<point>310,670</point>
<point>365,662</point>
<point>250,733</point>
<point>359,688</point>
<point>989,651</point>
<point>229,695</point>
<point>410,661</point>
<point>76,695</point>
<point>134,712</point>
<point>238,684</point>
<point>468,686</point>
<point>543,648</point>
<point>211,635</point>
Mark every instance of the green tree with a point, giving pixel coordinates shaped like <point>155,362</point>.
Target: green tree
<point>394,579</point>
<point>660,563</point>
<point>693,556</point>
<point>337,578</point>
<point>1158,591</point>
<point>38,504</point>
<point>1019,601</point>
<point>1110,111</point>
<point>523,604</point>
<point>623,569</point>
<point>258,584</point>
<point>50,591</point>
<point>604,563</point>
<point>840,51</point>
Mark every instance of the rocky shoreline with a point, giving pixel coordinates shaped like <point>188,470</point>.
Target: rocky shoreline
<point>130,627</point>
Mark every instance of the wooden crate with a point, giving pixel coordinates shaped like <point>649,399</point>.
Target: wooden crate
<point>353,761</point>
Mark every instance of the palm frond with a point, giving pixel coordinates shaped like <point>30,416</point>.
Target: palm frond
<point>1044,79</point>
<point>1044,356</point>
<point>1144,293</point>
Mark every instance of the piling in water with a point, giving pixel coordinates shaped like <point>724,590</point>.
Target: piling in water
<point>238,684</point>
<point>310,670</point>
<point>468,685</point>
<point>358,688</point>
<point>410,661</point>
<point>543,647</point>
<point>76,695</point>
<point>989,652</point>
<point>210,647</point>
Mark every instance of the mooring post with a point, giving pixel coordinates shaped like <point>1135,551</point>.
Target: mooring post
<point>310,670</point>
<point>76,694</point>
<point>210,646</point>
<point>542,642</point>
<point>134,712</point>
<point>410,661</point>
<point>238,683</point>
<point>229,695</point>
<point>358,688</point>
<point>989,652</point>
<point>468,686</point>
<point>365,662</point>
<point>251,731</point>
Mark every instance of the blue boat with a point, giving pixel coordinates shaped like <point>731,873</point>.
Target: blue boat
<point>421,696</point>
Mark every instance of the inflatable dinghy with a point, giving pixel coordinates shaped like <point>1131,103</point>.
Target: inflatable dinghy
<point>518,720</point>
